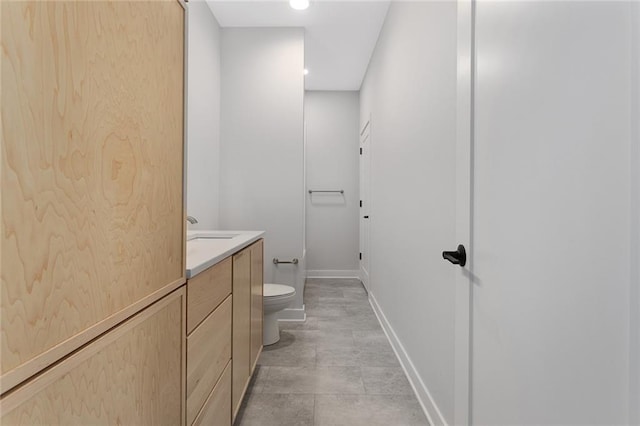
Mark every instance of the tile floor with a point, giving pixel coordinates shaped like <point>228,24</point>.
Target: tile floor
<point>337,368</point>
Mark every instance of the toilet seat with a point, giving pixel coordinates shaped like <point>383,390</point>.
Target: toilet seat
<point>275,291</point>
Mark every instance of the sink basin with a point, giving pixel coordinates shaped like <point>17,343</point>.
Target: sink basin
<point>216,236</point>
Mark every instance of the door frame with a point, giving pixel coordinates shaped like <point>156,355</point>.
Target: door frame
<point>464,217</point>
<point>365,200</point>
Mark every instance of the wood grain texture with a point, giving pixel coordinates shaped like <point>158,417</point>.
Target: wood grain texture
<point>91,166</point>
<point>257,285</point>
<point>241,326</point>
<point>208,352</point>
<point>217,409</point>
<point>131,375</point>
<point>207,290</point>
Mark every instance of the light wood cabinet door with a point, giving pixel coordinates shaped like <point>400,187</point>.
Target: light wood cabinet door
<point>241,326</point>
<point>91,170</point>
<point>257,283</point>
<point>132,375</point>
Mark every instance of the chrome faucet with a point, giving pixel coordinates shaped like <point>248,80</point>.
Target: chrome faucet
<point>192,220</point>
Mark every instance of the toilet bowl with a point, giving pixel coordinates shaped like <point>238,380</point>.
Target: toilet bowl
<point>276,298</point>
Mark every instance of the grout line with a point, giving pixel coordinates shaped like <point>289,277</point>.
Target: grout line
<point>315,399</point>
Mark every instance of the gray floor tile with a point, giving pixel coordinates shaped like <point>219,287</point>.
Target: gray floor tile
<point>291,337</point>
<point>355,356</point>
<point>257,380</point>
<point>308,324</point>
<point>381,357</point>
<point>334,301</point>
<point>358,293</point>
<point>338,356</point>
<point>276,410</point>
<point>324,338</point>
<point>319,380</point>
<point>323,292</point>
<point>368,410</point>
<point>349,323</point>
<point>385,381</point>
<point>359,309</point>
<point>291,351</point>
<point>327,311</point>
<point>332,338</point>
<point>373,338</point>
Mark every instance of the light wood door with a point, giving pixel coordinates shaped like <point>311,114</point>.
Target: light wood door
<point>241,326</point>
<point>553,228</point>
<point>132,375</point>
<point>257,284</point>
<point>91,171</point>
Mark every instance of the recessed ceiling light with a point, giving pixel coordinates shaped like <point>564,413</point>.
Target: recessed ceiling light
<point>299,4</point>
<point>305,71</point>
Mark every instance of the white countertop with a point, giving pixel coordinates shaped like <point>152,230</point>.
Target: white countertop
<point>206,248</point>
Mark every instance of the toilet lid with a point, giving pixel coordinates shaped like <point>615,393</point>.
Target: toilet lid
<point>273,290</point>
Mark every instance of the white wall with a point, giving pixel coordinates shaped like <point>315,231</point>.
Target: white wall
<point>410,93</point>
<point>634,355</point>
<point>331,120</point>
<point>203,116</point>
<point>261,152</point>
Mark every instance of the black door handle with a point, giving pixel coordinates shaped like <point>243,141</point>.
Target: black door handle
<point>458,257</point>
<point>365,217</point>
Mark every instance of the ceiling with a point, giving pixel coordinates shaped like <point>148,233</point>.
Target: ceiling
<point>339,35</point>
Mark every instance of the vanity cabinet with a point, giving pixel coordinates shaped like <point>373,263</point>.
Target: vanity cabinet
<point>132,375</point>
<point>224,335</point>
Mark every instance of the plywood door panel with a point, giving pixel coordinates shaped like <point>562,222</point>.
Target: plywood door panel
<point>131,375</point>
<point>217,409</point>
<point>241,325</point>
<point>208,352</point>
<point>257,283</point>
<point>207,290</point>
<point>91,168</point>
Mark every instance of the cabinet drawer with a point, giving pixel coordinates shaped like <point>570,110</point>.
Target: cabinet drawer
<point>217,409</point>
<point>208,352</point>
<point>207,290</point>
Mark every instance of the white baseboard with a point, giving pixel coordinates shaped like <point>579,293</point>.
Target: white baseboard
<point>293,314</point>
<point>333,273</point>
<point>422,393</point>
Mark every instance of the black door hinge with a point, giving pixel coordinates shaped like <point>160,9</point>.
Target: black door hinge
<point>360,256</point>
<point>360,151</point>
<point>360,203</point>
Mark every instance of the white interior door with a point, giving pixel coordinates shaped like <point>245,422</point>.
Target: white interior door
<point>365,202</point>
<point>551,214</point>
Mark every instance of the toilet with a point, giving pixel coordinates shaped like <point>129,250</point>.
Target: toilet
<point>276,298</point>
